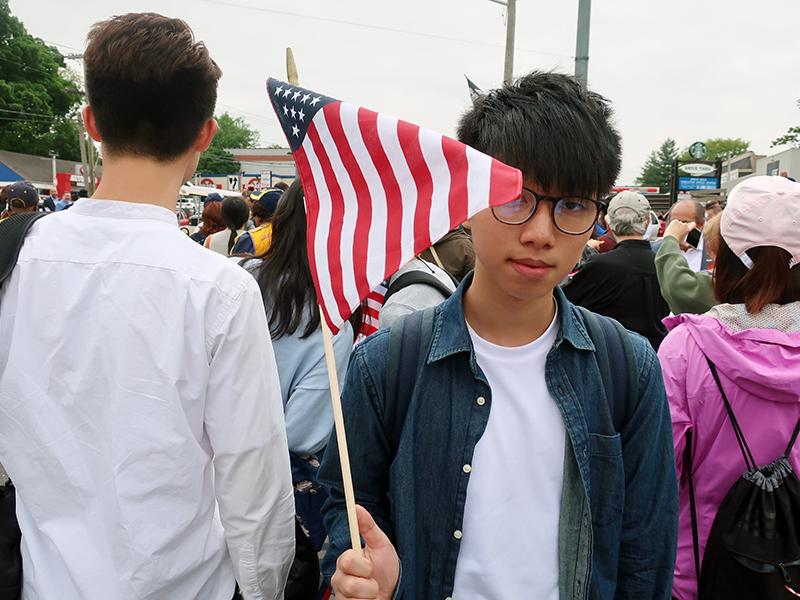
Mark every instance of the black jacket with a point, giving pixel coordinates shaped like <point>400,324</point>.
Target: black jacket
<point>622,284</point>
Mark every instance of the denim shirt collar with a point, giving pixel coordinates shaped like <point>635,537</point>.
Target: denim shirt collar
<point>450,334</point>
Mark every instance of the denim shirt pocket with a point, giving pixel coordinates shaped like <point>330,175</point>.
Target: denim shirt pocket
<point>606,480</point>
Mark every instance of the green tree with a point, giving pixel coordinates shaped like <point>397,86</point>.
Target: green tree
<point>721,148</point>
<point>232,133</point>
<point>790,138</point>
<point>36,112</point>
<point>658,168</point>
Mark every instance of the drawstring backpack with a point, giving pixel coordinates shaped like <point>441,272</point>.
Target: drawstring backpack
<point>753,550</point>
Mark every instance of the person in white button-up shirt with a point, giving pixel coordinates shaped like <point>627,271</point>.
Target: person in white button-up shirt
<point>140,410</point>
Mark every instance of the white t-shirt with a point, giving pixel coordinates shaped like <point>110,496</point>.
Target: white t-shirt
<point>509,547</point>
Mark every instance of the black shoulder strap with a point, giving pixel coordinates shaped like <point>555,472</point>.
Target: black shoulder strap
<point>12,235</point>
<point>409,341</point>
<point>617,362</point>
<point>412,277</point>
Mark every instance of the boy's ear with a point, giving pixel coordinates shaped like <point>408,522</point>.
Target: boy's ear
<point>89,124</point>
<point>207,134</point>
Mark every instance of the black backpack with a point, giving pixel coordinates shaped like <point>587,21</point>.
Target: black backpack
<point>753,550</point>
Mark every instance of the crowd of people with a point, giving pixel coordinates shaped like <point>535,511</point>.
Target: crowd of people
<point>166,421</point>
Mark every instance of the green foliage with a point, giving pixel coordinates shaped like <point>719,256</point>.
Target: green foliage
<point>658,168</point>
<point>232,133</point>
<point>721,148</point>
<point>36,111</point>
<point>791,138</point>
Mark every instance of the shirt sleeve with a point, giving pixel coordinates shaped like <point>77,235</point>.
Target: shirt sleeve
<point>245,427</point>
<point>243,245</point>
<point>685,290</point>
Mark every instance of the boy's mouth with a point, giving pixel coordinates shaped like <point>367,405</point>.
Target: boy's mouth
<point>531,268</point>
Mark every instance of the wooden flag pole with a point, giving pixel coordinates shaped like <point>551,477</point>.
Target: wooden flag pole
<point>338,419</point>
<point>336,400</point>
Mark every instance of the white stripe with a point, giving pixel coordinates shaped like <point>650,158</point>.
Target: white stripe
<point>439,218</point>
<point>350,213</point>
<point>387,132</point>
<point>320,241</point>
<point>376,241</point>
<point>478,181</point>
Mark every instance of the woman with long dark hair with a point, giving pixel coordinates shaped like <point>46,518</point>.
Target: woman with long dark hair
<point>290,300</point>
<point>752,340</point>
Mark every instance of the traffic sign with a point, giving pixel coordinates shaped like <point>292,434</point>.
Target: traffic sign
<point>698,150</point>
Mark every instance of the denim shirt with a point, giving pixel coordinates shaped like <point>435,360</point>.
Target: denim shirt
<point>619,505</point>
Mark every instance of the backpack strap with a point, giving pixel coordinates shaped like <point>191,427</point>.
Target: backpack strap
<point>617,362</point>
<point>412,277</point>
<point>409,342</point>
<point>749,461</point>
<point>12,235</point>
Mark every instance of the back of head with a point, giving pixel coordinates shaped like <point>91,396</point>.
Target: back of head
<point>551,128</point>
<point>22,197</point>
<point>760,244</point>
<point>151,87</point>
<point>628,214</point>
<point>265,202</point>
<point>235,213</point>
<point>212,218</point>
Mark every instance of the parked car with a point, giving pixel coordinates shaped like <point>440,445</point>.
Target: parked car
<point>183,221</point>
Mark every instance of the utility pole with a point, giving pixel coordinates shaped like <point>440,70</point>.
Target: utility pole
<point>582,42</point>
<point>508,73</point>
<point>82,135</point>
<point>54,155</point>
<point>511,13</point>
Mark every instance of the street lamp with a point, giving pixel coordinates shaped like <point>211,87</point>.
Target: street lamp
<point>54,155</point>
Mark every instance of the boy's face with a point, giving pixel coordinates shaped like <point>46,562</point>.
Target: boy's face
<point>522,263</point>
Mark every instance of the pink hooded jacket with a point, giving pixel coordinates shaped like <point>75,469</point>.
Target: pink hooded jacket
<point>760,373</point>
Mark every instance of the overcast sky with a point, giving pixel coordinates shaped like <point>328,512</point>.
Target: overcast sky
<point>685,69</point>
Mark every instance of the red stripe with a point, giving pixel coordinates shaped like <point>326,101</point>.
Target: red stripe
<point>360,243</point>
<point>455,153</point>
<point>408,135</point>
<point>506,183</point>
<point>337,211</point>
<point>368,122</point>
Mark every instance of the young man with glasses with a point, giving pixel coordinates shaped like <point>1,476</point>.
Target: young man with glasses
<point>510,480</point>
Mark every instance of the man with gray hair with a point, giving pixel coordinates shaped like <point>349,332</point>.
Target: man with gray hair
<point>622,283</point>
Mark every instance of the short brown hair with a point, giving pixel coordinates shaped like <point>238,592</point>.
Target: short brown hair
<point>770,280</point>
<point>151,87</point>
<point>212,218</point>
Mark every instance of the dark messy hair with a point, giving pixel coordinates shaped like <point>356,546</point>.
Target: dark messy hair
<point>260,211</point>
<point>551,128</point>
<point>235,214</point>
<point>284,274</point>
<point>770,280</point>
<point>151,87</point>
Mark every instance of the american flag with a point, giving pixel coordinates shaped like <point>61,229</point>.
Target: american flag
<point>378,191</point>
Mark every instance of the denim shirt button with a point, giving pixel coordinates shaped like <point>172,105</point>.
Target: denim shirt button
<point>481,401</point>
<point>584,452</point>
<point>466,468</point>
<point>560,390</point>
<point>457,534</point>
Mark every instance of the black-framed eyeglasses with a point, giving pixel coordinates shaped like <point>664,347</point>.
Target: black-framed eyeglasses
<point>573,215</point>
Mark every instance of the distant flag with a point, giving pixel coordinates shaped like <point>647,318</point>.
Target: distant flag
<point>474,91</point>
<point>378,191</point>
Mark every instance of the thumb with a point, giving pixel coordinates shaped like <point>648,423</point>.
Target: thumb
<point>369,530</point>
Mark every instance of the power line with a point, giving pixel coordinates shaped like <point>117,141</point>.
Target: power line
<point>30,114</point>
<point>379,27</point>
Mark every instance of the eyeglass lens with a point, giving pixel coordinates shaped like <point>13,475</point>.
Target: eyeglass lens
<point>572,214</point>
